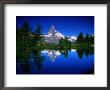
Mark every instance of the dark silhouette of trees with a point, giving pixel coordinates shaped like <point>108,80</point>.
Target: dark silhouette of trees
<point>80,38</point>
<point>38,59</point>
<point>88,51</point>
<point>26,27</point>
<point>38,30</point>
<point>92,39</point>
<point>80,52</point>
<point>38,34</point>
<point>87,38</point>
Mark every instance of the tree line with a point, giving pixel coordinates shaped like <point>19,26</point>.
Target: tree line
<point>87,39</point>
<point>24,31</point>
<point>26,28</point>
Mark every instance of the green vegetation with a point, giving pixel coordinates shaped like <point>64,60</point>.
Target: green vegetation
<point>28,42</point>
<point>89,39</point>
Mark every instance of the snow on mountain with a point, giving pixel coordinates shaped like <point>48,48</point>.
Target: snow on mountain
<point>54,36</point>
<point>53,32</point>
<point>73,37</point>
<point>58,34</point>
<point>50,34</point>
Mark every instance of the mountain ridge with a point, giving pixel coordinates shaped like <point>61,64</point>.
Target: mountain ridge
<point>54,36</point>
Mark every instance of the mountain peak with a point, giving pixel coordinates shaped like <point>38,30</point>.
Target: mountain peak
<point>54,36</point>
<point>52,26</point>
<point>52,30</point>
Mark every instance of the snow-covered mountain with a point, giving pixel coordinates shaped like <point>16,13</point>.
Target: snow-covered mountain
<point>72,38</point>
<point>58,34</point>
<point>55,33</point>
<point>54,36</point>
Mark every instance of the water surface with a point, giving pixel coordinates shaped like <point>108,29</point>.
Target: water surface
<point>56,62</point>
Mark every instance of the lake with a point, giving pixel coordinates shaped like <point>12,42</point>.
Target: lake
<point>56,62</point>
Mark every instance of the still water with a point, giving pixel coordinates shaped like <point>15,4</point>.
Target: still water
<point>56,62</point>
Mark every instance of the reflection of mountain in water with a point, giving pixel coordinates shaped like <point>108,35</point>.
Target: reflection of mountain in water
<point>52,54</point>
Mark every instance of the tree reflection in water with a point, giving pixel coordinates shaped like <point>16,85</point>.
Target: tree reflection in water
<point>65,53</point>
<point>89,50</point>
<point>38,59</point>
<point>25,67</point>
<point>23,59</point>
<point>24,56</point>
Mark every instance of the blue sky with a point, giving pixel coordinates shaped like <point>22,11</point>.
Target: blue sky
<point>67,25</point>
